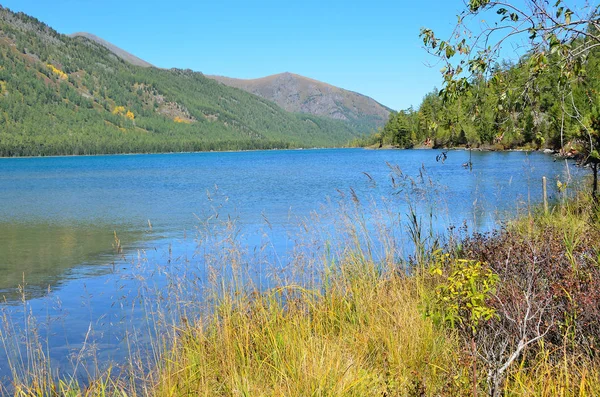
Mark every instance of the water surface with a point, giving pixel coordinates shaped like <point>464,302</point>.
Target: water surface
<point>71,228</point>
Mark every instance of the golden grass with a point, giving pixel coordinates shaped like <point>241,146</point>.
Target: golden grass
<point>571,376</point>
<point>362,334</point>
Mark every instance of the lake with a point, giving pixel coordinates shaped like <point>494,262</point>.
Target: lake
<point>83,235</point>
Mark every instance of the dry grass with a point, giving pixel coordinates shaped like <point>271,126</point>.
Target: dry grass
<point>543,377</point>
<point>362,334</point>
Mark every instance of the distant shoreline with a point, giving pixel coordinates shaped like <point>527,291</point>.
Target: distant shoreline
<point>475,149</point>
<point>483,148</point>
<point>152,153</point>
<point>386,147</point>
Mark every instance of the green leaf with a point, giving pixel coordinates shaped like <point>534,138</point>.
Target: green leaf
<point>532,33</point>
<point>568,14</point>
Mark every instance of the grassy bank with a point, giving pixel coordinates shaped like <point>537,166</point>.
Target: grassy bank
<point>514,313</point>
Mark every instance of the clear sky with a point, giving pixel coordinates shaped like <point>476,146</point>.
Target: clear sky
<point>371,47</point>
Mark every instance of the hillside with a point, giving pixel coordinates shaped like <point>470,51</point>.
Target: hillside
<point>300,94</point>
<point>292,92</point>
<point>71,95</point>
<point>124,55</point>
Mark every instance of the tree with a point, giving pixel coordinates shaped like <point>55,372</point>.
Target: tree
<point>554,40</point>
<point>397,131</point>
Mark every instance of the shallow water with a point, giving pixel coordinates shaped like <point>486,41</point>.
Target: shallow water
<point>76,229</point>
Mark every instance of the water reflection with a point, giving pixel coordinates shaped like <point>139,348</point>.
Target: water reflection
<point>44,255</point>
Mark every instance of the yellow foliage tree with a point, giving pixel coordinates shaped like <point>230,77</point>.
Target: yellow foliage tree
<point>119,110</point>
<point>178,119</point>
<point>59,72</point>
<point>130,115</point>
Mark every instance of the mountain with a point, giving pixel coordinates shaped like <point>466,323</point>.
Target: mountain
<point>292,92</point>
<point>301,94</point>
<point>70,95</point>
<point>124,55</point>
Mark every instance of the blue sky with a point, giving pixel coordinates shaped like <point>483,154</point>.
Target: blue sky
<point>371,47</point>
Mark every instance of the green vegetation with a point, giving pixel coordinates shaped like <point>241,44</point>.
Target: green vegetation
<point>549,97</point>
<point>496,113</point>
<point>61,95</point>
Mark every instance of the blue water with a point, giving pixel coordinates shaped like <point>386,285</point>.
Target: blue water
<point>59,216</point>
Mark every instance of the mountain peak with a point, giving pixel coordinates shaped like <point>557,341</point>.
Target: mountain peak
<point>124,55</point>
<point>300,94</point>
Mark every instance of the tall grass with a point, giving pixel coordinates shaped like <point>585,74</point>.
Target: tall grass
<point>362,334</point>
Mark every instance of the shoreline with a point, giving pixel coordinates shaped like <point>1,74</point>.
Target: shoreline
<point>477,149</point>
<point>162,153</point>
<point>389,147</point>
<point>548,151</point>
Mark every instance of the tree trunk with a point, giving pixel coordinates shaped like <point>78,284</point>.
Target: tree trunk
<point>595,184</point>
<point>474,352</point>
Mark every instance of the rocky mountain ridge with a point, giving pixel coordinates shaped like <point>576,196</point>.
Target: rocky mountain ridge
<point>301,94</point>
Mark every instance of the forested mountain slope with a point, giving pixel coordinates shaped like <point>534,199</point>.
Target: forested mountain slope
<point>70,95</point>
<point>297,93</point>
